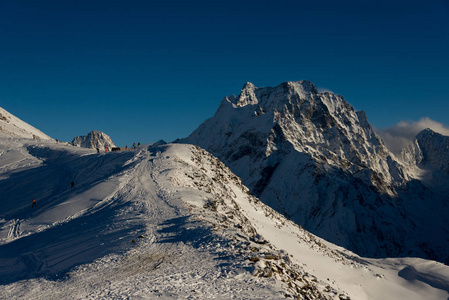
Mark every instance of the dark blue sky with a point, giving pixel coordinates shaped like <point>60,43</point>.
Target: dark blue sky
<point>144,70</point>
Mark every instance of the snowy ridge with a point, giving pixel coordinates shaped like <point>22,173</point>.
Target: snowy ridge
<point>227,205</point>
<point>93,140</point>
<point>13,126</point>
<point>316,160</point>
<point>173,222</point>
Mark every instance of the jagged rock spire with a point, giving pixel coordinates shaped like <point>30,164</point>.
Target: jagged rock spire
<point>94,139</point>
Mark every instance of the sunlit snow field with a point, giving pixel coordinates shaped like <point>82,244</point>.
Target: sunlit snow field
<point>169,222</point>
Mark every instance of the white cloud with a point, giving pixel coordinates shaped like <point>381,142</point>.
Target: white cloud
<point>402,134</point>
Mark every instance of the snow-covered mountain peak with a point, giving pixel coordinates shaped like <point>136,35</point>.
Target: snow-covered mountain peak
<point>247,95</point>
<point>435,149</point>
<point>299,99</point>
<point>323,125</point>
<point>94,139</point>
<point>303,86</point>
<point>426,134</point>
<point>249,86</point>
<point>265,96</point>
<point>315,159</point>
<point>429,151</point>
<point>13,126</point>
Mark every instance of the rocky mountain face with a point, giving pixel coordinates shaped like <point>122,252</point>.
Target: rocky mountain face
<point>13,126</point>
<point>429,157</point>
<point>435,150</point>
<point>93,140</point>
<point>312,157</point>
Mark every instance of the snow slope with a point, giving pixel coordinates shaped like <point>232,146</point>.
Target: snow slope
<point>169,222</point>
<point>13,126</point>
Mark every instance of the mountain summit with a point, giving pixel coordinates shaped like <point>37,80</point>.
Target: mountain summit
<point>317,160</point>
<point>294,116</point>
<point>94,139</point>
<point>428,156</point>
<point>435,150</point>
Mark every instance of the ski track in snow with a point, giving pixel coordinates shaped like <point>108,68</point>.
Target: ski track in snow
<point>186,271</point>
<point>173,223</point>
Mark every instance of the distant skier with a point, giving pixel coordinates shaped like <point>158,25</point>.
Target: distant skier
<point>34,202</point>
<point>72,184</point>
<point>126,147</point>
<point>105,148</point>
<point>138,145</point>
<point>134,146</point>
<point>98,150</point>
